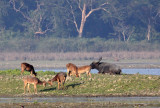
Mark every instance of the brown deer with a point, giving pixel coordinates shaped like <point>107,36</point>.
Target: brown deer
<point>28,67</point>
<point>60,78</point>
<point>72,69</point>
<point>32,80</point>
<point>84,69</point>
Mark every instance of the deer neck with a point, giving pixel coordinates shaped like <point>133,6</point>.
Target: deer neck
<point>54,79</point>
<point>40,82</point>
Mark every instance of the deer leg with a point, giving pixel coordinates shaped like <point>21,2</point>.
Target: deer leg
<point>68,72</point>
<point>29,88</point>
<point>22,70</point>
<point>71,74</point>
<point>64,82</point>
<point>89,74</point>
<point>25,84</point>
<point>35,88</point>
<point>51,83</point>
<point>77,75</point>
<point>31,72</point>
<point>58,83</point>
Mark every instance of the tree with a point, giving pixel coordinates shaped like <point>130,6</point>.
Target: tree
<point>58,15</point>
<point>86,8</point>
<point>35,15</point>
<point>125,30</point>
<point>147,11</point>
<point>3,11</point>
<point>118,18</point>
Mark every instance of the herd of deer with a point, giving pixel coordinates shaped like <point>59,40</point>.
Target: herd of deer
<point>60,77</point>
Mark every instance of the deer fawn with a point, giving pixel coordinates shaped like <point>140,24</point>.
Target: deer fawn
<point>32,80</point>
<point>60,78</point>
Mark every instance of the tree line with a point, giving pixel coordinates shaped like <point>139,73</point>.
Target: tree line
<point>122,20</point>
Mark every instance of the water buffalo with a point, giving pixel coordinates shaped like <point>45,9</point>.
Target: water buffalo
<point>104,67</point>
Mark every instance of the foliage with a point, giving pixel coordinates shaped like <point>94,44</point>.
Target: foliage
<point>120,20</point>
<point>74,45</point>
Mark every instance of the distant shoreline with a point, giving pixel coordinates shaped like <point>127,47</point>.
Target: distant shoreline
<point>61,64</point>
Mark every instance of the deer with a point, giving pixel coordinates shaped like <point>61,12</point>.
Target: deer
<point>84,69</point>
<point>28,67</point>
<point>60,78</point>
<point>32,80</point>
<point>72,69</point>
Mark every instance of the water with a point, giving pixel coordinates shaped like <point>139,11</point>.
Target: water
<point>142,71</point>
<point>125,71</point>
<point>129,100</point>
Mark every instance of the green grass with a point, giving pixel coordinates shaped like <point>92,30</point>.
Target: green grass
<point>11,84</point>
<point>18,72</point>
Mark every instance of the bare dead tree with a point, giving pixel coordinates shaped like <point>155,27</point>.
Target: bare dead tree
<point>149,17</point>
<point>35,18</point>
<point>86,9</point>
<point>122,29</point>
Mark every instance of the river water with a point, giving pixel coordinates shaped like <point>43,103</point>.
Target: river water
<point>125,71</point>
<point>129,100</point>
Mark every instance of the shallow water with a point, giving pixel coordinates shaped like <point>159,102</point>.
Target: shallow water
<point>125,71</point>
<point>128,100</point>
<point>142,71</point>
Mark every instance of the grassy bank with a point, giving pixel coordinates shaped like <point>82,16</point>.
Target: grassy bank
<point>99,85</point>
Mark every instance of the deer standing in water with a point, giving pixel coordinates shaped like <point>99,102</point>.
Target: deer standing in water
<point>28,67</point>
<point>60,78</point>
<point>32,80</point>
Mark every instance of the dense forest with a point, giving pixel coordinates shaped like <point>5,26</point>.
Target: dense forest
<point>79,25</point>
